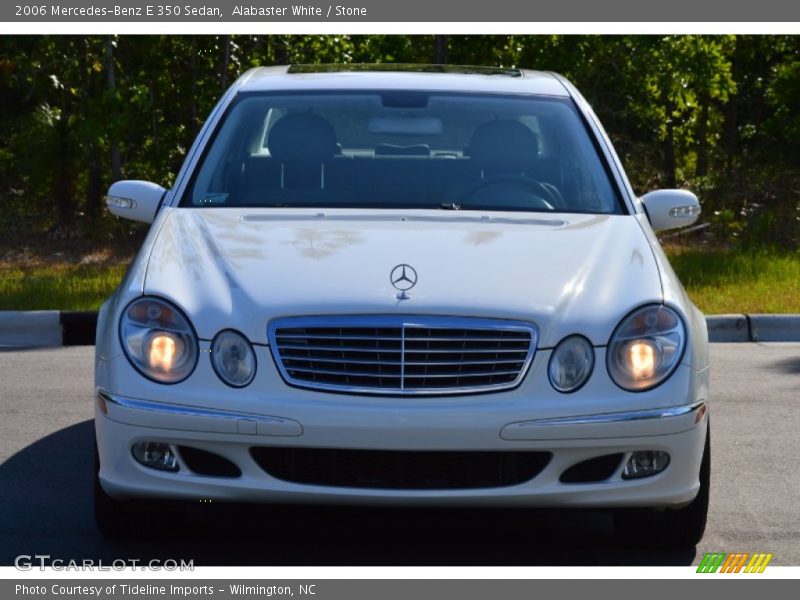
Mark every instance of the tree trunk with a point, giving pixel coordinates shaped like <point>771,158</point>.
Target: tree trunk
<point>63,182</point>
<point>730,129</point>
<point>226,59</point>
<point>701,168</point>
<point>154,119</point>
<point>281,46</point>
<point>440,48</point>
<point>193,118</point>
<point>63,179</point>
<point>731,134</point>
<point>669,146</point>
<point>94,186</point>
<point>268,54</point>
<point>111,79</point>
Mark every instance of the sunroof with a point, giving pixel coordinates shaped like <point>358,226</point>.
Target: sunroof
<point>404,68</point>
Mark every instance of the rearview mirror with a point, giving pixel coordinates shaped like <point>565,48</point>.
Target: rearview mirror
<point>670,209</point>
<point>135,200</point>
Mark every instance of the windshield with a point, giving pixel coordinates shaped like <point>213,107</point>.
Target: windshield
<point>403,150</point>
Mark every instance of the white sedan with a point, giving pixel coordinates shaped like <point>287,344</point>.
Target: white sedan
<point>415,286</point>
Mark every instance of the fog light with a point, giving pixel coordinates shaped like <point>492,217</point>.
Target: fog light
<point>155,455</point>
<point>645,463</point>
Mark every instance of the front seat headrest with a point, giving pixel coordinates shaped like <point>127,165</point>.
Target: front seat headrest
<point>302,137</point>
<point>504,145</point>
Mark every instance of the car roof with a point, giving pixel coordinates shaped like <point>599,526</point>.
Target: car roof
<point>402,77</point>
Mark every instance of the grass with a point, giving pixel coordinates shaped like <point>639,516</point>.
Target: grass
<point>58,286</point>
<point>718,280</point>
<point>74,276</point>
<point>727,281</point>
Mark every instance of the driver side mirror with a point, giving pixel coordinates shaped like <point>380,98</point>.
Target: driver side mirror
<point>670,209</point>
<point>135,200</point>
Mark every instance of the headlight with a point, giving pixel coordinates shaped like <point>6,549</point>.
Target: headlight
<point>233,358</point>
<point>645,348</point>
<point>158,340</point>
<point>571,363</point>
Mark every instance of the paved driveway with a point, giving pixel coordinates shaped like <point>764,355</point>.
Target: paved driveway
<point>45,487</point>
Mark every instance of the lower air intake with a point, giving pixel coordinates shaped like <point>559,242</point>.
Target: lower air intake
<point>400,470</point>
<point>207,463</point>
<point>593,470</point>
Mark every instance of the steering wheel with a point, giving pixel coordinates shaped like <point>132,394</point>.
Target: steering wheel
<point>548,194</point>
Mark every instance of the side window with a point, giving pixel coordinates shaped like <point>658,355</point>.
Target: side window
<point>273,116</point>
<point>227,157</point>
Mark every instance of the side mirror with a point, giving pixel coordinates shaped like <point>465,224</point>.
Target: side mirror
<point>135,200</point>
<point>670,209</point>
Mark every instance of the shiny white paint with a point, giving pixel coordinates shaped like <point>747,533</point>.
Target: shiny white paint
<point>135,200</point>
<point>674,487</point>
<point>275,79</point>
<point>238,268</point>
<point>670,209</point>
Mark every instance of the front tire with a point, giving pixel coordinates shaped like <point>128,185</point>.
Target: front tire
<point>127,520</point>
<point>680,528</point>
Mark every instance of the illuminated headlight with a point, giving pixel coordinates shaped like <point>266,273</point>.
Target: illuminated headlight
<point>571,363</point>
<point>233,358</point>
<point>646,348</point>
<point>158,340</point>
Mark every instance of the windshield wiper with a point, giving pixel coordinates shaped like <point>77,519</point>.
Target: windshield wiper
<point>450,206</point>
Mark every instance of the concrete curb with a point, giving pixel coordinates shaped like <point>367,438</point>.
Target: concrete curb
<point>39,328</point>
<point>753,328</point>
<point>774,328</point>
<point>30,328</point>
<point>728,328</point>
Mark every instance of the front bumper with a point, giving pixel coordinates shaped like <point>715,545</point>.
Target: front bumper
<point>679,430</point>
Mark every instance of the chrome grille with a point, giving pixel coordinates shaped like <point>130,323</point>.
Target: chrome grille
<point>402,354</point>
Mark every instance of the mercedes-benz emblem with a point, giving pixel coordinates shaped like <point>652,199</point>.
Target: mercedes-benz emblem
<point>403,278</point>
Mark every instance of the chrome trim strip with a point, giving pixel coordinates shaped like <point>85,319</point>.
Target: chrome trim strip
<point>403,322</point>
<point>621,417</point>
<point>178,409</point>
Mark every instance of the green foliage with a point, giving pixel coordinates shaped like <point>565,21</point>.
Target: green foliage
<point>58,286</point>
<point>718,114</point>
<point>718,281</point>
<point>740,281</point>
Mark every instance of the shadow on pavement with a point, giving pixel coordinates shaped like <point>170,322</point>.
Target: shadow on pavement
<point>45,491</point>
<point>789,365</point>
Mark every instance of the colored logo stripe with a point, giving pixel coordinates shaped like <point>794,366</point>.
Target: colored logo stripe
<point>758,563</point>
<point>734,563</point>
<point>711,562</point>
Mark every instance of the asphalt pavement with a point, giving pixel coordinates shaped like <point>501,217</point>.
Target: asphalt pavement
<point>46,470</point>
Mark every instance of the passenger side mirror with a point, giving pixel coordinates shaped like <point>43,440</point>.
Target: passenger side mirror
<point>670,209</point>
<point>135,200</point>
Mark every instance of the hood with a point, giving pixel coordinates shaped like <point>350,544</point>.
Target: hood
<point>239,267</point>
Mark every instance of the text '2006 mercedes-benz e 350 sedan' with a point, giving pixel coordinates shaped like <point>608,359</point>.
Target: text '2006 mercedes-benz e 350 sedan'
<point>405,286</point>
